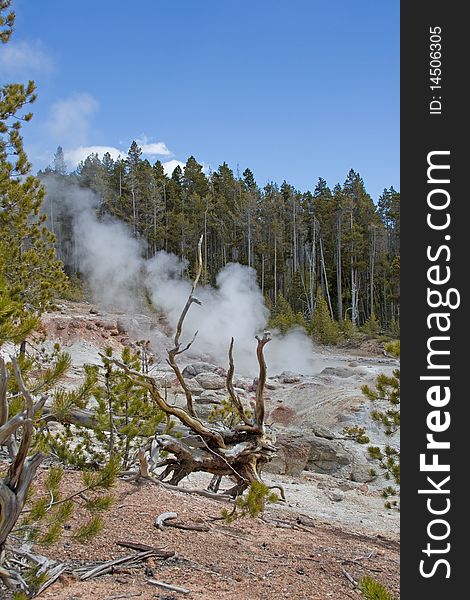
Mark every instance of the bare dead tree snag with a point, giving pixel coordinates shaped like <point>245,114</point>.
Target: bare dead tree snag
<point>238,450</point>
<point>259,406</point>
<point>15,485</point>
<point>234,398</point>
<point>172,354</point>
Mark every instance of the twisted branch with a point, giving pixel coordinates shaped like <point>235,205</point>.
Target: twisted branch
<point>259,403</point>
<point>234,398</point>
<point>142,380</point>
<point>172,354</point>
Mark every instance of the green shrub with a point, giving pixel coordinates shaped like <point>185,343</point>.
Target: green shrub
<point>348,329</point>
<point>372,326</point>
<point>283,316</point>
<point>251,504</point>
<point>373,590</point>
<point>322,328</point>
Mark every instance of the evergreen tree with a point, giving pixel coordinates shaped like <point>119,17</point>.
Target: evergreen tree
<point>59,162</point>
<point>324,330</point>
<point>28,266</point>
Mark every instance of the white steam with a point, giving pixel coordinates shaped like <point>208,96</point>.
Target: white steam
<point>111,259</point>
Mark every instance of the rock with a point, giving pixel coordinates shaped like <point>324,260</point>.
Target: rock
<point>323,432</point>
<point>210,381</point>
<point>289,377</point>
<point>335,495</point>
<point>209,397</point>
<point>300,451</point>
<point>338,371</point>
<point>192,384</point>
<point>283,415</point>
<point>109,326</point>
<point>292,457</point>
<point>327,456</point>
<point>269,385</point>
<point>204,410</point>
<point>243,383</point>
<point>120,326</point>
<point>202,367</point>
<point>329,483</point>
<point>93,311</point>
<point>360,463</point>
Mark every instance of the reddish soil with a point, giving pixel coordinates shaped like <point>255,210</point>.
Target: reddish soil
<point>246,560</point>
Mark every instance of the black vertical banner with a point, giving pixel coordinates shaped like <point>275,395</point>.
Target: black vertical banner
<point>435,240</point>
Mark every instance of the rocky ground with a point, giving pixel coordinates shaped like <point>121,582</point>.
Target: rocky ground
<point>348,532</point>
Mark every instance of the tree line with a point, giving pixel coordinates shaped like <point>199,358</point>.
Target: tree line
<point>334,240</point>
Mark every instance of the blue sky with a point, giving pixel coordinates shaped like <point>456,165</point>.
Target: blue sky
<point>293,90</point>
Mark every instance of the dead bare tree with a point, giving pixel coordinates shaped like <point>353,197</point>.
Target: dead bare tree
<point>239,450</point>
<point>15,485</point>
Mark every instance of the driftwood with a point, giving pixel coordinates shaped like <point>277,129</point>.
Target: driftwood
<point>166,519</point>
<point>238,450</point>
<point>160,520</point>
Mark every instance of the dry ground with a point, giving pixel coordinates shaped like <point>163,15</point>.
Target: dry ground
<point>246,560</point>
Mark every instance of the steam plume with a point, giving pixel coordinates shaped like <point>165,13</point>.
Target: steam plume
<point>112,262</point>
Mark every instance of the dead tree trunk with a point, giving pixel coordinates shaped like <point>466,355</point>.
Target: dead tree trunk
<point>238,451</point>
<point>15,485</point>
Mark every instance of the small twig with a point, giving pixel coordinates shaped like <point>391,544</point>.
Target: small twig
<point>167,586</point>
<point>350,578</point>
<point>188,527</point>
<point>370,555</point>
<point>145,548</point>
<point>175,488</point>
<point>133,595</point>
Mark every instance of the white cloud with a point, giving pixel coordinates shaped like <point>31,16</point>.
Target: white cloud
<point>20,57</point>
<point>156,148</point>
<point>76,155</point>
<point>153,148</point>
<point>70,118</point>
<point>171,165</point>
